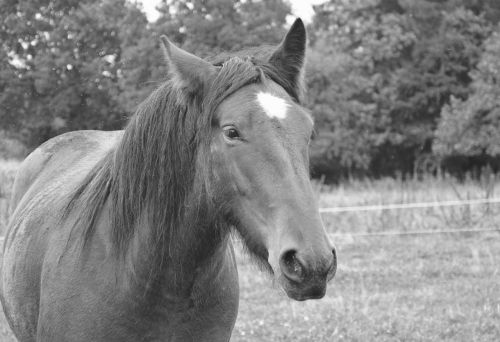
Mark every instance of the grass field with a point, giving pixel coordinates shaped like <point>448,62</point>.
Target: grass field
<point>440,287</point>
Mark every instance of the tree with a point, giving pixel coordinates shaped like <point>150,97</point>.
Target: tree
<point>471,127</point>
<point>439,68</point>
<point>64,64</point>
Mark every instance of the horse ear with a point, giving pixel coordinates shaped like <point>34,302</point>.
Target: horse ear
<point>290,54</point>
<point>187,68</point>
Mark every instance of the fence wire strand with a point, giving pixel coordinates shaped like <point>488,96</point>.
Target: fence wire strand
<point>417,205</point>
<point>415,232</point>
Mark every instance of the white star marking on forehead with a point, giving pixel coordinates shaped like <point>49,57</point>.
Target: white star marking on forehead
<point>274,107</point>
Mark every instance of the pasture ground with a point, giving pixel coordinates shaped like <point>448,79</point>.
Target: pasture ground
<point>440,287</point>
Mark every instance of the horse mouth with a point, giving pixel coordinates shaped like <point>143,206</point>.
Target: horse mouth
<point>303,291</point>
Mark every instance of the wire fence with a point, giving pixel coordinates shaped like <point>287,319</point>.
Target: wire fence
<point>395,206</point>
<point>416,205</point>
<point>416,232</point>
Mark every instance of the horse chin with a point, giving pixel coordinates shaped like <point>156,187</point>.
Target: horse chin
<point>302,292</point>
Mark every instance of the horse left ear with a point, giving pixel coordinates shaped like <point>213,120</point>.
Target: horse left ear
<point>190,70</point>
<point>290,54</point>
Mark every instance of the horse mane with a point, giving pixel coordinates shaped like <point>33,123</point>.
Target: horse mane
<point>160,171</point>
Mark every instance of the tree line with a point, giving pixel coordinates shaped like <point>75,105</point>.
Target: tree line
<point>396,87</point>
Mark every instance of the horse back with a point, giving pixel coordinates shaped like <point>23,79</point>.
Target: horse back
<point>59,155</point>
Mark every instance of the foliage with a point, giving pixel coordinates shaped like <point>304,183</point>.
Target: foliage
<point>355,47</point>
<point>472,126</point>
<point>208,27</point>
<point>64,65</point>
<point>395,86</point>
<point>388,68</point>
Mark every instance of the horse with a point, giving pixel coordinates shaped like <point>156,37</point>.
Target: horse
<point>127,235</point>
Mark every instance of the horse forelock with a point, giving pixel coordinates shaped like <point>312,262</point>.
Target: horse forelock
<point>259,57</point>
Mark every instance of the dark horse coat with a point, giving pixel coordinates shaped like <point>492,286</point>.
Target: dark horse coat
<point>125,236</point>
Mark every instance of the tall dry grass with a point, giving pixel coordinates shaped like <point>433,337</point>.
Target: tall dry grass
<point>8,169</point>
<point>430,189</point>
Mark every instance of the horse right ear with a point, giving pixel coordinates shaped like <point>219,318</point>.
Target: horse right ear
<point>190,70</point>
<point>289,56</point>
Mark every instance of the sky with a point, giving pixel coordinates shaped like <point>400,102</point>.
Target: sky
<point>300,8</point>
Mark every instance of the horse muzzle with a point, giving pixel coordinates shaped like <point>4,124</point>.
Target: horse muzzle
<point>303,280</point>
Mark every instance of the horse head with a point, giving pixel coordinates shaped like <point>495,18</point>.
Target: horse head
<point>258,146</point>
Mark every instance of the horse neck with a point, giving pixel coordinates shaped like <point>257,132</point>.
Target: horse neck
<point>174,264</point>
<point>161,216</point>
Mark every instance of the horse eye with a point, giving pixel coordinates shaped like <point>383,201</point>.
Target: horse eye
<point>231,133</point>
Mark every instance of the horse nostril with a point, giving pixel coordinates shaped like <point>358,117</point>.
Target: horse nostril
<point>333,267</point>
<point>291,266</point>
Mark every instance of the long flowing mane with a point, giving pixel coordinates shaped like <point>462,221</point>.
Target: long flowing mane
<point>159,173</point>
